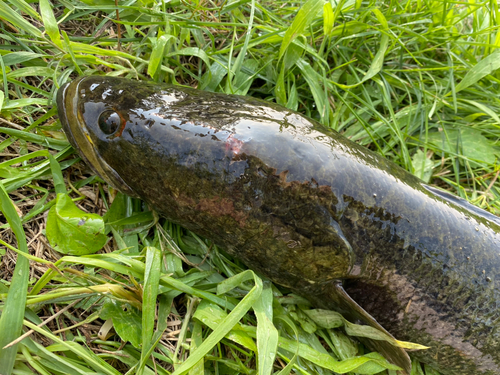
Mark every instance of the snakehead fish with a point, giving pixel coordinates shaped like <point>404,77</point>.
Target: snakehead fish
<point>306,207</point>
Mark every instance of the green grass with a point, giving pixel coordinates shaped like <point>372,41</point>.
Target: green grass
<point>416,81</point>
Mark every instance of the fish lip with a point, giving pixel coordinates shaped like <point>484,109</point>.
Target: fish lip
<point>103,169</point>
<point>63,117</point>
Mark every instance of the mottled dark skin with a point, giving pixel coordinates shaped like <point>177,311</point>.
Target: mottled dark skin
<point>307,208</point>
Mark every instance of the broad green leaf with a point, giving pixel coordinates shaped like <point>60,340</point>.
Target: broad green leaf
<point>126,320</point>
<point>484,67</point>
<point>306,14</point>
<point>472,144</point>
<point>73,231</point>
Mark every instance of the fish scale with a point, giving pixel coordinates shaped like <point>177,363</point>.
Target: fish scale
<point>307,208</point>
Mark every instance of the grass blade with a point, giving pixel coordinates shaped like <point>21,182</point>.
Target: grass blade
<point>483,68</point>
<point>303,19</point>
<point>157,54</point>
<point>50,22</point>
<point>222,330</point>
<point>267,334</point>
<point>88,356</point>
<point>12,316</point>
<point>11,16</point>
<point>150,291</point>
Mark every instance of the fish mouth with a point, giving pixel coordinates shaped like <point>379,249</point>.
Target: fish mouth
<point>79,136</point>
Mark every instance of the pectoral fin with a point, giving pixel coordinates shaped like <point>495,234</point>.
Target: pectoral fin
<point>332,296</point>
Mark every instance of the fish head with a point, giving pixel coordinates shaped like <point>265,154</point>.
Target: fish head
<point>100,117</point>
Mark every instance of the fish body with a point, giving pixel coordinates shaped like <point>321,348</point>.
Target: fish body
<point>306,207</point>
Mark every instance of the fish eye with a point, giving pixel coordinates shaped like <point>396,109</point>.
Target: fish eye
<point>109,122</point>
